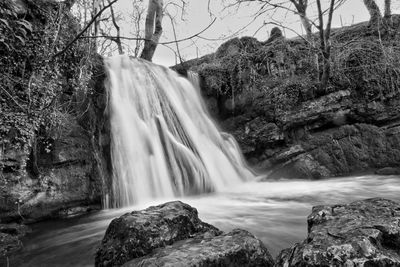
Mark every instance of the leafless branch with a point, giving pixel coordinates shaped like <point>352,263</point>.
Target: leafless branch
<point>79,35</point>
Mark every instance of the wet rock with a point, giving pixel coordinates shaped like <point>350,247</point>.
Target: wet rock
<point>76,211</point>
<point>388,171</point>
<point>362,233</point>
<point>303,166</point>
<point>236,248</point>
<point>258,135</point>
<point>340,151</point>
<point>138,233</point>
<point>14,229</point>
<point>316,113</point>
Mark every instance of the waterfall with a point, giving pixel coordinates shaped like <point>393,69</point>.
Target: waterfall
<point>164,144</point>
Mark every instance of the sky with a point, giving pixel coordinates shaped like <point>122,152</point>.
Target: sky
<point>230,23</point>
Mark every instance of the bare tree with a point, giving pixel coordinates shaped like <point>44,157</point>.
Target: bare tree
<point>137,19</point>
<point>271,6</point>
<point>117,38</point>
<point>109,38</point>
<point>153,28</point>
<point>325,46</point>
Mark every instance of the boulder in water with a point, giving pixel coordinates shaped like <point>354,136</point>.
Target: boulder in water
<point>236,248</point>
<point>138,233</point>
<point>171,234</point>
<point>362,233</point>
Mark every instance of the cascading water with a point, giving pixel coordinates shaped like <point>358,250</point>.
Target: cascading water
<point>164,144</point>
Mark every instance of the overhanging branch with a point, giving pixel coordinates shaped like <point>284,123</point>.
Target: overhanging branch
<point>144,39</point>
<point>84,29</point>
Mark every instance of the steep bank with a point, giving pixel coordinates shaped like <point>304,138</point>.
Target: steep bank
<point>53,117</point>
<point>267,95</point>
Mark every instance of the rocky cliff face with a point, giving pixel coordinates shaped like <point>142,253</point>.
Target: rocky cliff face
<point>267,95</point>
<point>54,159</point>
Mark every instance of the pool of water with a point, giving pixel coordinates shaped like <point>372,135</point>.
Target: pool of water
<point>276,212</point>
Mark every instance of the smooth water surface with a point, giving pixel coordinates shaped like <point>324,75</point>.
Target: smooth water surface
<point>275,212</point>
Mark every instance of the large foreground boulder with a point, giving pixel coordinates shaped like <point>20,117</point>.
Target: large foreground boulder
<point>171,234</point>
<point>362,233</point>
<point>138,233</point>
<point>236,248</point>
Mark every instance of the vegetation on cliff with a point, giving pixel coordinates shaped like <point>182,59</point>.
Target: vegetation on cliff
<point>39,91</point>
<point>44,100</point>
<point>268,95</point>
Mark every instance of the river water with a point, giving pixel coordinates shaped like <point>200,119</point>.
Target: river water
<point>276,212</point>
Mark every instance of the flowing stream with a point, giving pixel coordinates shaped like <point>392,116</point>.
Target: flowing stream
<point>275,212</point>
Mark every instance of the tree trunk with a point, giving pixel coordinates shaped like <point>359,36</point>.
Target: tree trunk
<point>117,39</point>
<point>374,12</point>
<point>388,11</point>
<point>96,7</point>
<point>307,26</point>
<point>325,47</point>
<point>153,28</point>
<point>301,7</point>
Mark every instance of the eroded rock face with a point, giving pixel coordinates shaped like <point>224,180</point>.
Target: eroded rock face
<point>236,248</point>
<point>340,151</point>
<point>138,233</point>
<point>362,233</point>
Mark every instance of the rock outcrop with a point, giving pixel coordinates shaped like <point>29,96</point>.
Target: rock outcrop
<point>171,234</point>
<point>267,96</point>
<point>362,233</point>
